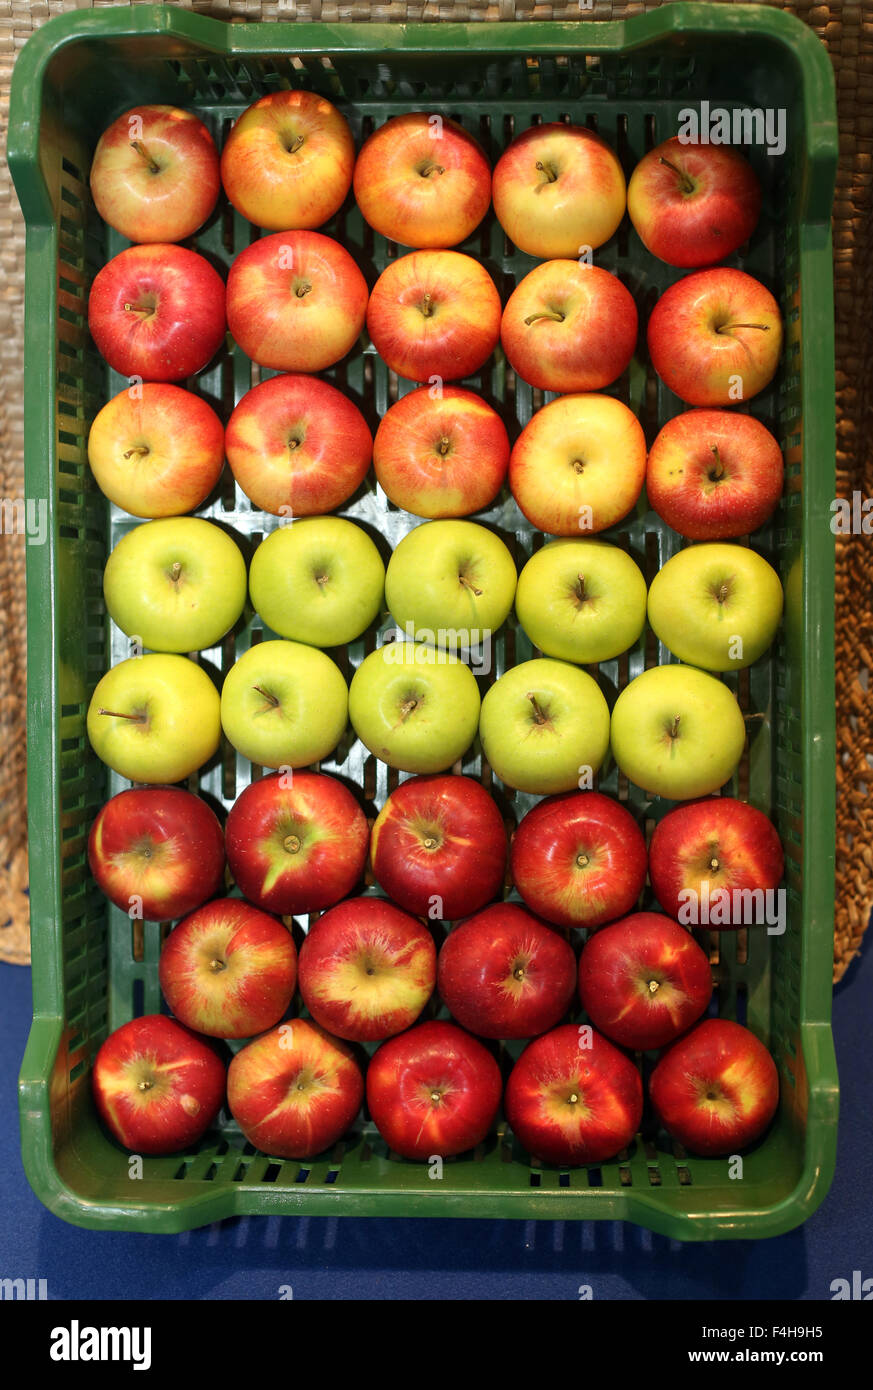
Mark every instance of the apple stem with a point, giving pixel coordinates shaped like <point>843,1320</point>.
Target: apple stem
<point>547,170</point>
<point>139,449</point>
<point>406,709</point>
<point>726,327</point>
<point>444,445</point>
<point>723,592</point>
<point>545,314</point>
<point>582,861</point>
<point>145,1085</point>
<point>435,1097</point>
<point>175,571</point>
<point>216,965</point>
<point>685,183</point>
<point>713,864</point>
<point>429,842</point>
<point>139,309</point>
<point>579,466</point>
<point>580,589</point>
<point>303,289</point>
<point>431,169</point>
<point>674,727</point>
<point>150,160</point>
<point>291,843</point>
<point>573,1099</point>
<point>297,143</point>
<point>540,715</point>
<point>717,472</point>
<point>654,986</point>
<point>427,305</point>
<point>462,579</point>
<point>267,696</point>
<point>116,714</point>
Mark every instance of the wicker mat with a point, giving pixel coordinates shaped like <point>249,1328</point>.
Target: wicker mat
<point>847,30</point>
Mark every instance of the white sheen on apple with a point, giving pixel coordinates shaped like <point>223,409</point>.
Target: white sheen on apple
<point>414,707</point>
<point>284,704</point>
<point>451,577</point>
<point>581,600</point>
<point>155,718</point>
<point>716,606</point>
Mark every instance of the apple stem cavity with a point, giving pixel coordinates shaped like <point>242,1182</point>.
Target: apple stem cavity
<point>271,699</point>
<point>549,172</point>
<point>686,183</point>
<point>545,314</point>
<point>116,714</point>
<point>140,148</point>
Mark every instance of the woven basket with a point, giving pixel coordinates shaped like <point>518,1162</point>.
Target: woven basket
<point>847,30</point>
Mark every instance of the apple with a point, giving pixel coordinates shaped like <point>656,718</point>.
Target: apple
<point>442,456</point>
<point>178,584</point>
<point>319,581</point>
<point>644,980</point>
<point>716,1089</point>
<point>573,1098</point>
<point>367,969</point>
<point>715,337</point>
<point>716,606</point>
<point>713,475</point>
<point>557,190</point>
<point>433,1092</point>
<point>693,205</point>
<point>581,600</point>
<point>543,725</point>
<point>155,718</point>
<point>725,844</point>
<point>284,704</point>
<point>156,450</point>
<point>157,312</point>
<point>162,846</point>
<point>579,860</point>
<point>569,326</point>
<point>413,706</point>
<point>296,301</point>
<point>677,732</point>
<point>288,161</point>
<point>154,176</point>
<point>438,847</point>
<point>157,1086</point>
<point>453,580</point>
<point>503,974</point>
<point>578,465</point>
<point>296,844</point>
<point>295,1090</point>
<point>434,314</point>
<point>422,181</point>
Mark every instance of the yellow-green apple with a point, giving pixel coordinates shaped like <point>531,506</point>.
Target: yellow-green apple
<point>715,337</point>
<point>544,724</point>
<point>677,732</point>
<point>434,1091</point>
<point>295,1090</point>
<point>557,190</point>
<point>434,314</point>
<point>414,706</point>
<point>713,475</point>
<point>288,161</point>
<point>504,974</point>
<point>716,605</point>
<point>157,312</point>
<point>319,581</point>
<point>438,846</point>
<point>581,600</point>
<point>451,577</point>
<point>284,704</point>
<point>297,446</point>
<point>569,326</point>
<point>156,1085</point>
<point>644,980</point>
<point>578,465</point>
<point>177,584</point>
<point>296,844</point>
<point>158,848</point>
<point>716,1089</point>
<point>441,456</point>
<point>367,969</point>
<point>296,301</point>
<point>156,450</point>
<point>579,860</point>
<point>422,181</point>
<point>693,205</point>
<point>714,849</point>
<point>155,718</point>
<point>154,176</point>
<point>573,1098</point>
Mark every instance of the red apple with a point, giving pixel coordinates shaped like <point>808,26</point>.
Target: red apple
<point>296,845</point>
<point>367,969</point>
<point>434,314</point>
<point>423,181</point>
<point>715,337</point>
<point>295,1090</point>
<point>441,456</point>
<point>157,312</point>
<point>157,1086</point>
<point>579,860</point>
<point>432,1092</point>
<point>644,980</point>
<point>716,1089</point>
<point>296,442</point>
<point>693,205</point>
<point>154,176</point>
<point>727,845</point>
<point>438,846</point>
<point>503,974</point>
<point>162,845</point>
<point>569,326</point>
<point>296,301</point>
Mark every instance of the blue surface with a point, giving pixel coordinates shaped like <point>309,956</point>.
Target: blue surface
<point>330,1258</point>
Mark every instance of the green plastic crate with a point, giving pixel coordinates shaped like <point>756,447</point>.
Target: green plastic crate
<point>92,968</point>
